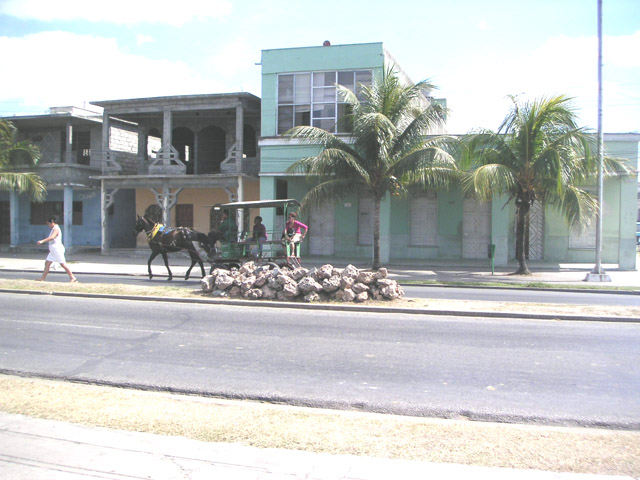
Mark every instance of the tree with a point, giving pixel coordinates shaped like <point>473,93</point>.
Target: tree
<point>539,154</point>
<point>387,149</point>
<point>14,153</point>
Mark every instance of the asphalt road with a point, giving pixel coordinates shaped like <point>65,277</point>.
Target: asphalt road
<point>552,372</point>
<point>411,291</point>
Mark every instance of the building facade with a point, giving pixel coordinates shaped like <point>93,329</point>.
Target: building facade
<point>191,152</point>
<point>298,89</point>
<point>176,156</point>
<point>70,142</point>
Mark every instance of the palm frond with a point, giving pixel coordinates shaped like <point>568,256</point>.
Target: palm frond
<point>27,183</point>
<point>578,205</point>
<point>487,180</point>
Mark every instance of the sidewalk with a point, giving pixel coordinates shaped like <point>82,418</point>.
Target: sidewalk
<point>49,450</point>
<point>134,262</point>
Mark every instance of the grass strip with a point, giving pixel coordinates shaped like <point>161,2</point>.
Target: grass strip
<point>336,432</point>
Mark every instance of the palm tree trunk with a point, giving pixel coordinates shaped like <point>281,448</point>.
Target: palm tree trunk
<point>376,232</point>
<point>521,221</point>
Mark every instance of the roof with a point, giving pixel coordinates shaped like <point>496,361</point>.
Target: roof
<point>258,204</point>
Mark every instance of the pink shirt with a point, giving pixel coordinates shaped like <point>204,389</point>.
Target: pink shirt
<point>295,226</point>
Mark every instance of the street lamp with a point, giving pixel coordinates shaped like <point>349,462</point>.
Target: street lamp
<point>598,274</point>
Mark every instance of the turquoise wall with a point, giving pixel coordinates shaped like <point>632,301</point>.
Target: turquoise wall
<point>278,153</point>
<point>307,59</point>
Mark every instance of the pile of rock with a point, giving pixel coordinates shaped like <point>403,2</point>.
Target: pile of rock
<point>310,285</point>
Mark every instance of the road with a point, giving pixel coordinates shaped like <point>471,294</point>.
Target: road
<point>551,372</point>
<point>411,291</point>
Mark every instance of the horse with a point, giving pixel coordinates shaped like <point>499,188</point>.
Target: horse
<point>163,240</point>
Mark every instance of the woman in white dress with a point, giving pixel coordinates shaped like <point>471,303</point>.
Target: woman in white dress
<point>56,250</point>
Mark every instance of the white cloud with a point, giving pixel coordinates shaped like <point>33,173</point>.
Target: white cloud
<point>477,91</point>
<point>141,39</point>
<point>235,57</point>
<point>60,68</point>
<point>118,11</point>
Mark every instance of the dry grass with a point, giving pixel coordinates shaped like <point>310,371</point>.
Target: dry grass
<point>98,288</point>
<point>272,426</point>
<point>421,304</point>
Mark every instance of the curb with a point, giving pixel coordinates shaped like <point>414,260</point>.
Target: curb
<point>542,289</point>
<point>341,307</point>
<point>476,285</point>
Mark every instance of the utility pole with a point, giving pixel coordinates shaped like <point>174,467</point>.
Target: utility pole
<point>598,274</point>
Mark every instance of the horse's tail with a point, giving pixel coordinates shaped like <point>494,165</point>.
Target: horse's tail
<point>203,240</point>
<point>193,236</point>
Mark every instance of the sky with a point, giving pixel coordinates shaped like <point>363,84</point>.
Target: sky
<point>478,53</point>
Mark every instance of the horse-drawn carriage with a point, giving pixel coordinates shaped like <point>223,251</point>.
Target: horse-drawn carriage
<point>231,246</point>
<point>228,245</point>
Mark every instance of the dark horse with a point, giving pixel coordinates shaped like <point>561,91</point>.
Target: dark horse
<point>165,240</point>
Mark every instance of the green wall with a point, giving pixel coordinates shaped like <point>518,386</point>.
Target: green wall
<point>277,153</point>
<point>307,59</point>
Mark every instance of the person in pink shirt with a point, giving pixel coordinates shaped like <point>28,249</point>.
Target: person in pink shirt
<point>293,232</point>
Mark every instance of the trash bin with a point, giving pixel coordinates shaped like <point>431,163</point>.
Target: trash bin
<point>492,254</point>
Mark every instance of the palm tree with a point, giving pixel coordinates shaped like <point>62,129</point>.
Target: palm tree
<point>386,151</point>
<point>539,154</point>
<point>14,153</point>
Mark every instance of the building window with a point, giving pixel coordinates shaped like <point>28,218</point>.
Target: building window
<point>41,212</point>
<point>424,220</point>
<point>81,146</point>
<point>312,98</point>
<point>583,239</point>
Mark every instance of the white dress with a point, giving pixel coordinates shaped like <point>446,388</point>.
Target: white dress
<point>56,248</point>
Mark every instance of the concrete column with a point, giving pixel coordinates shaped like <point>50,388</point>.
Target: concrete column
<point>142,151</point>
<point>196,149</point>
<point>68,154</point>
<point>385,229</point>
<point>105,139</point>
<point>166,136</point>
<point>267,191</point>
<point>240,219</point>
<point>166,217</point>
<point>67,236</point>
<point>239,137</point>
<point>104,247</point>
<point>14,216</point>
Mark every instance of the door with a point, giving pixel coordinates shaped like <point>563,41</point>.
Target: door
<point>365,220</point>
<point>536,232</point>
<point>184,215</point>
<point>321,229</point>
<point>476,228</point>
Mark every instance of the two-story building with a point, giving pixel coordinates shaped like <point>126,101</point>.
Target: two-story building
<point>298,88</point>
<point>191,152</point>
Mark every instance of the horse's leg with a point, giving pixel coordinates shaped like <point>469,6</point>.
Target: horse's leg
<point>154,254</point>
<point>195,258</point>
<point>166,264</point>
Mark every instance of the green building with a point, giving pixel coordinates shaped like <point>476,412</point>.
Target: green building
<point>298,88</point>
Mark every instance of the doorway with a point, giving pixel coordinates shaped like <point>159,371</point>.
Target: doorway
<point>321,229</point>
<point>476,228</point>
